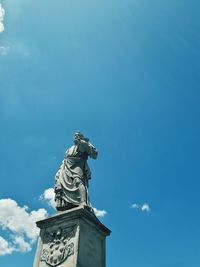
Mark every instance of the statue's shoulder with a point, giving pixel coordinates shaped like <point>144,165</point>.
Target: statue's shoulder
<point>72,151</point>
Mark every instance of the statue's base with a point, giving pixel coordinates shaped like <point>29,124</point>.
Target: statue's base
<point>73,238</point>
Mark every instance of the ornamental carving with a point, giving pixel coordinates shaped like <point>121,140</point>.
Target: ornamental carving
<point>58,246</point>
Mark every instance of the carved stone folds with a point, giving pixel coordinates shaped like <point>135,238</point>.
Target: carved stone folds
<point>74,238</point>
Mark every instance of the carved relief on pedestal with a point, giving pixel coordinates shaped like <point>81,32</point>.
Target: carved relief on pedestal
<point>58,246</point>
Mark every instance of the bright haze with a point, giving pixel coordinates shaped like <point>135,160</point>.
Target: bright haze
<point>126,74</point>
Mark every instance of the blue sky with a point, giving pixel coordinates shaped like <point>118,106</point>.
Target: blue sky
<point>126,74</point>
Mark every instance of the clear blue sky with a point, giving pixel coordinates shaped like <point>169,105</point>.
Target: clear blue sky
<point>126,74</point>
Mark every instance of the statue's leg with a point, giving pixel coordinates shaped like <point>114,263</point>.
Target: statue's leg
<point>83,194</point>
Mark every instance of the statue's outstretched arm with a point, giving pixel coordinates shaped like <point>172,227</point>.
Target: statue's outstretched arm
<point>93,152</point>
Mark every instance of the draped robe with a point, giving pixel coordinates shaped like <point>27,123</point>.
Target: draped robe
<point>71,188</point>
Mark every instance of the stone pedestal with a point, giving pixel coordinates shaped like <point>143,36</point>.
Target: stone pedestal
<point>73,238</point>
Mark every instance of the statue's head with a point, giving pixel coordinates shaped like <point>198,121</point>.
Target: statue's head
<point>79,135</point>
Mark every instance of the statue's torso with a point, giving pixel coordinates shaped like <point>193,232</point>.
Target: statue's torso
<point>76,151</point>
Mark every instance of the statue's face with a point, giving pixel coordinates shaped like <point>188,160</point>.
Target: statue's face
<point>78,136</point>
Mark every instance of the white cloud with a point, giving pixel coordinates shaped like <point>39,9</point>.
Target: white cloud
<point>21,244</point>
<point>144,207</point>
<point>2,13</point>
<point>99,213</point>
<point>5,248</point>
<point>49,196</point>
<point>135,206</point>
<point>20,225</point>
<point>18,48</point>
<point>4,50</point>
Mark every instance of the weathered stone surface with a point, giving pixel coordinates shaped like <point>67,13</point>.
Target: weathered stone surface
<point>74,238</point>
<point>72,178</point>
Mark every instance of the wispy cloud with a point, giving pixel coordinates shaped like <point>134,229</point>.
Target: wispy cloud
<point>4,50</point>
<point>2,14</point>
<point>20,225</point>
<point>142,207</point>
<point>49,196</point>
<point>18,48</point>
<point>99,213</point>
<point>5,247</point>
<point>145,207</point>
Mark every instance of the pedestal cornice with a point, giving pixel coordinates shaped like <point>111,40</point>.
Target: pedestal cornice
<point>74,214</point>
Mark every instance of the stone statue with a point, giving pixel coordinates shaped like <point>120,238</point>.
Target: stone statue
<point>71,180</point>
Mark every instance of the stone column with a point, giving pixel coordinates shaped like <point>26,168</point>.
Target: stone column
<point>73,238</point>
